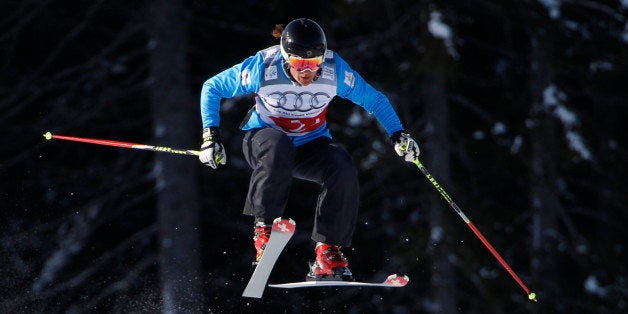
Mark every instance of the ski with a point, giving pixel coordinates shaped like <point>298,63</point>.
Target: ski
<point>282,231</point>
<point>393,281</point>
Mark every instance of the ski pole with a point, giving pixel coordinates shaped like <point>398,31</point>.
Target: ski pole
<point>439,188</point>
<point>164,149</point>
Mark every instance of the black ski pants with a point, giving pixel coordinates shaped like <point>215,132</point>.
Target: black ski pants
<point>275,161</point>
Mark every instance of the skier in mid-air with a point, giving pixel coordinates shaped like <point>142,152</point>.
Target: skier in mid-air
<point>286,136</point>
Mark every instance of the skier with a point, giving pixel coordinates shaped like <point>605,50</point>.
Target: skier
<point>286,136</point>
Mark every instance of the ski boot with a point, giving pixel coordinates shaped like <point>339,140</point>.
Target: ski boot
<point>260,238</point>
<point>330,264</point>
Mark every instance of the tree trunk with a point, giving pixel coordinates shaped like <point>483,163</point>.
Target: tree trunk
<point>174,115</point>
<point>434,98</point>
<point>544,203</point>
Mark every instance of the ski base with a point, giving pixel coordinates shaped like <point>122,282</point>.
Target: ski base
<point>282,231</point>
<point>393,281</point>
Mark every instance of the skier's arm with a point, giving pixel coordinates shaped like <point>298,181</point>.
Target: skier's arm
<point>240,79</point>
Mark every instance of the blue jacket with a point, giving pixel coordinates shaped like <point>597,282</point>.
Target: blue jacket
<point>299,111</point>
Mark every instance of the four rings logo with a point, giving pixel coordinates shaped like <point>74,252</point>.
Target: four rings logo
<point>292,101</point>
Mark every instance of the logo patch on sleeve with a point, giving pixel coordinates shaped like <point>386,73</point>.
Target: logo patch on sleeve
<point>245,77</point>
<point>270,73</point>
<point>349,79</point>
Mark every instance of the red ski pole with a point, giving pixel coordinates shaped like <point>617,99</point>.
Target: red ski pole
<point>164,149</point>
<point>439,188</point>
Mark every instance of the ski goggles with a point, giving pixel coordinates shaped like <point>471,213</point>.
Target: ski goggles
<point>304,64</point>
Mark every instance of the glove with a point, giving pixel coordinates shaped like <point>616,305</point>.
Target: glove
<point>212,151</point>
<point>405,146</point>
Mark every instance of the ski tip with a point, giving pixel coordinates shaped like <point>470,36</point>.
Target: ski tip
<point>397,281</point>
<point>284,225</point>
<point>48,135</point>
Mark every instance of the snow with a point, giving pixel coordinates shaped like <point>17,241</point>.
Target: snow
<point>478,135</point>
<point>355,119</point>
<point>440,30</point>
<point>517,143</point>
<point>405,66</point>
<point>574,26</point>
<point>567,117</point>
<point>600,65</point>
<point>592,286</point>
<point>498,128</point>
<point>72,238</point>
<point>553,99</point>
<point>501,66</point>
<point>437,27</point>
<point>414,216</point>
<point>552,96</point>
<point>370,161</point>
<point>489,273</point>
<point>582,249</point>
<point>577,144</point>
<point>437,234</point>
<point>553,8</point>
<point>160,129</point>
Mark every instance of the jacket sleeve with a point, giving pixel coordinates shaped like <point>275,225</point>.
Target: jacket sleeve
<point>353,87</point>
<point>242,78</point>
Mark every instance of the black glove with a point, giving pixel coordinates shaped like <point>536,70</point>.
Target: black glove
<point>212,151</point>
<point>405,146</point>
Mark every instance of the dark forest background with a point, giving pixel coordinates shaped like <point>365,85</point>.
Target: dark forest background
<point>519,107</point>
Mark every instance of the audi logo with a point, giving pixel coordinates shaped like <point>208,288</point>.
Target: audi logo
<point>292,101</point>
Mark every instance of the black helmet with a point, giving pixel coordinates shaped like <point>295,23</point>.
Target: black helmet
<point>303,38</point>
